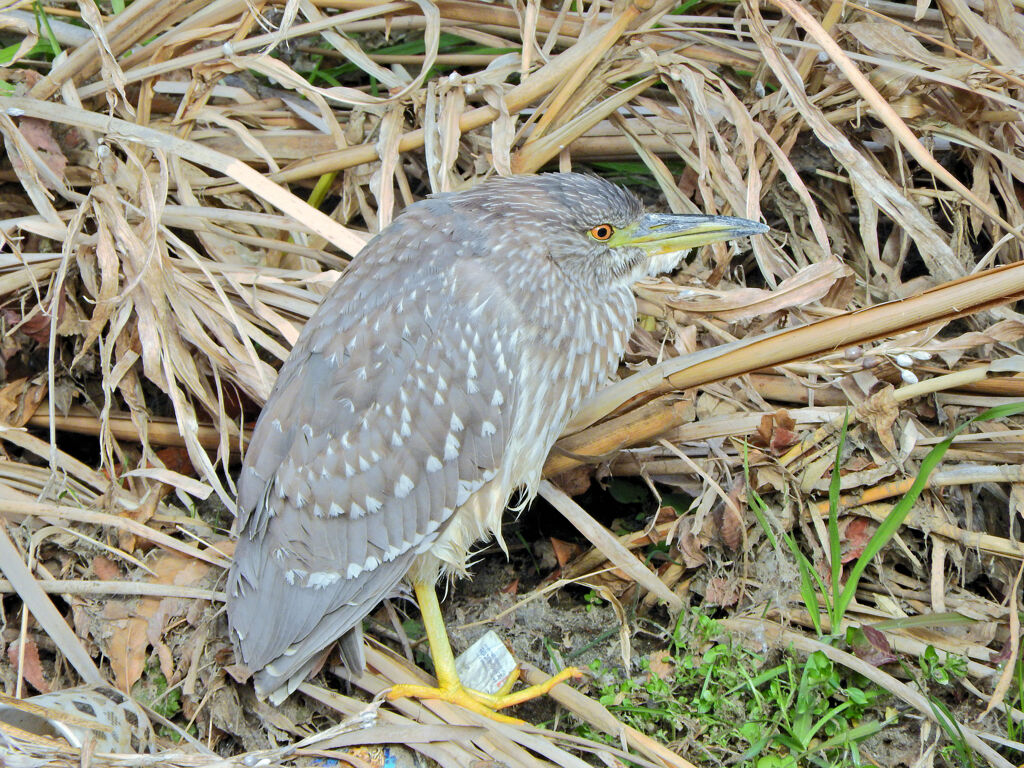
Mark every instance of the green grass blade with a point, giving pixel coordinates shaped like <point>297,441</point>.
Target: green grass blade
<point>902,508</point>
<point>808,578</point>
<point>755,501</point>
<point>853,735</point>
<point>45,30</point>
<point>835,553</point>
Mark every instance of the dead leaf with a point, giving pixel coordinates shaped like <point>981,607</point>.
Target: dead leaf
<point>137,624</point>
<point>575,481</point>
<point>854,534</point>
<point>564,551</point>
<point>19,400</point>
<point>890,40</point>
<point>39,135</point>
<point>730,522</point>
<point>776,431</point>
<point>871,645</point>
<point>105,568</point>
<point>35,325</point>
<point>858,463</point>
<point>783,439</point>
<point>238,672</point>
<point>1005,331</point>
<point>1002,656</point>
<point>660,666</point>
<point>722,591</point>
<point>691,549</point>
<point>176,459</point>
<point>808,285</point>
<point>880,412</point>
<point>32,670</point>
<point>129,541</point>
<point>166,661</point>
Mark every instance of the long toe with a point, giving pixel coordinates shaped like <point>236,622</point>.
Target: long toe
<point>464,697</point>
<point>483,703</point>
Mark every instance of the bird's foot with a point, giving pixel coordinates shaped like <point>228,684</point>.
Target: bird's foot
<point>485,704</point>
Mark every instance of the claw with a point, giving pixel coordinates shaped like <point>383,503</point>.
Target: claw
<point>449,688</point>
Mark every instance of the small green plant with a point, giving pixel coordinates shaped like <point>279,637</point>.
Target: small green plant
<point>152,691</point>
<point>795,713</point>
<point>939,670</point>
<point>836,600</point>
<point>806,731</point>
<point>592,600</point>
<point>1015,730</point>
<point>46,46</point>
<point>415,632</point>
<point>819,716</point>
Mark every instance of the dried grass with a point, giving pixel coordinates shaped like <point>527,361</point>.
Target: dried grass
<point>159,257</point>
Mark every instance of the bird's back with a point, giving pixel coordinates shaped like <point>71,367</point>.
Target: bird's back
<point>382,422</point>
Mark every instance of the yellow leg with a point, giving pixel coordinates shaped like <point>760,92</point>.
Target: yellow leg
<point>449,688</point>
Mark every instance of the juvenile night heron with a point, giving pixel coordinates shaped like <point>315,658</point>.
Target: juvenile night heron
<point>429,385</point>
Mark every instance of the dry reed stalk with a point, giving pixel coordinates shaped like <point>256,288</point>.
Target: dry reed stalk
<point>955,299</point>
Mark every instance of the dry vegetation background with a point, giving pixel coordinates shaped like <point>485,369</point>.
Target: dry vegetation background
<point>159,256</point>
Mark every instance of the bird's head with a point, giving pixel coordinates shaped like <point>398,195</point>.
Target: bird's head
<point>597,232</point>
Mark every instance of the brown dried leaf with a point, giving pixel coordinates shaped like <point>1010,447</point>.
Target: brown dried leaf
<point>776,431</point>
<point>808,285</point>
<point>660,666</point>
<point>36,323</point>
<point>880,412</point>
<point>575,481</point>
<point>105,568</point>
<point>19,400</point>
<point>39,135</point>
<point>177,460</point>
<point>140,623</point>
<point>564,550</point>
<point>32,670</point>
<point>890,40</point>
<point>722,591</point>
<point>1005,331</point>
<point>729,519</point>
<point>854,534</point>
<point>764,430</point>
<point>126,647</point>
<point>870,645</point>
<point>691,549</point>
<point>238,672</point>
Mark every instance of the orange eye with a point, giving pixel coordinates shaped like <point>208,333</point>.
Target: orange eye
<point>602,232</point>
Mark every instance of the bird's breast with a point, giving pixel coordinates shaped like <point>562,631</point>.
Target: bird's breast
<point>557,367</point>
<point>561,367</point>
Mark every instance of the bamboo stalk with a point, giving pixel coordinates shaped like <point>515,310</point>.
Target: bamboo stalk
<point>92,588</point>
<point>604,439</point>
<point>160,430</point>
<point>965,296</point>
<point>965,475</point>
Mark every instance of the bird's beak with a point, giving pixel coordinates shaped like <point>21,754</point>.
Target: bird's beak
<point>661,233</point>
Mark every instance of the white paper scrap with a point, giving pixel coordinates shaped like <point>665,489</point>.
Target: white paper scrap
<point>486,664</point>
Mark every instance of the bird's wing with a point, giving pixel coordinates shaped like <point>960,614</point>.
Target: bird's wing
<point>391,411</point>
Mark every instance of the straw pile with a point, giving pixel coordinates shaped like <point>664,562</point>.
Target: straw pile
<point>183,181</point>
